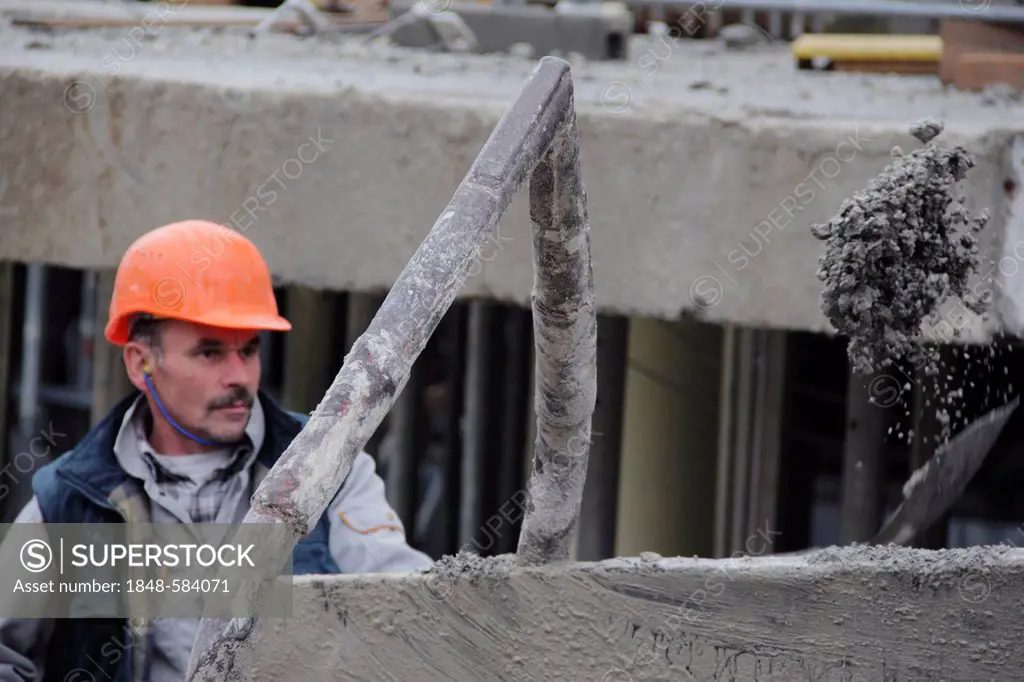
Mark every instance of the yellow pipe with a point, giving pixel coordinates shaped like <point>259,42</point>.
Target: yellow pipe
<point>868,47</point>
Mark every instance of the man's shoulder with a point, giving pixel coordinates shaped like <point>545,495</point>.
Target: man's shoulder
<point>61,460</point>
<point>92,455</point>
<point>88,446</point>
<point>97,441</point>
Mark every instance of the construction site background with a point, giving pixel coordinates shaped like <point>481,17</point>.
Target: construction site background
<point>707,430</point>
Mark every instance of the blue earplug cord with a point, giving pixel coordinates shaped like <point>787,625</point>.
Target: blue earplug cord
<point>170,420</point>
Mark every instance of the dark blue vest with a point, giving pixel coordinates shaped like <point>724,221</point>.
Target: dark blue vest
<point>76,488</point>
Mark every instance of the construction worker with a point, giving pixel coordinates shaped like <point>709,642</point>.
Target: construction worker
<point>189,302</point>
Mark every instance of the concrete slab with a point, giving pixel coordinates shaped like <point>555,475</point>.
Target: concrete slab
<point>704,167</point>
<point>836,615</point>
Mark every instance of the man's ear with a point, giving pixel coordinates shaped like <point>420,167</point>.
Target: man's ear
<point>137,361</point>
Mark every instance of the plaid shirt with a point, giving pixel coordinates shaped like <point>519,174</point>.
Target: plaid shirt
<point>173,496</point>
<point>201,502</point>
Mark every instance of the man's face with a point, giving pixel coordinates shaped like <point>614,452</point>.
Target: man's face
<point>207,378</point>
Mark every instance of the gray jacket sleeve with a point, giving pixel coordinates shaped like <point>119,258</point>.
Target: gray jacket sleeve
<point>23,640</point>
<point>366,535</point>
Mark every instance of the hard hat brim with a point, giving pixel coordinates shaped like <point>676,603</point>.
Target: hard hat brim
<point>117,331</point>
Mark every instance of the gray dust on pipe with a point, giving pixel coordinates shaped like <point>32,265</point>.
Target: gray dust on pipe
<point>537,132</point>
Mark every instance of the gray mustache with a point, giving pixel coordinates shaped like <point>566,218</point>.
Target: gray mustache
<point>239,394</point>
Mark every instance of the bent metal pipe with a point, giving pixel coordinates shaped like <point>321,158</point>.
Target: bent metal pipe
<point>537,139</point>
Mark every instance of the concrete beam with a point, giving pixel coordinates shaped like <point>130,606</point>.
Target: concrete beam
<point>835,615</point>
<point>704,171</point>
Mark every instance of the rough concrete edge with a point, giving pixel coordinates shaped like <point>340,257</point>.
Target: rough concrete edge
<point>810,565</point>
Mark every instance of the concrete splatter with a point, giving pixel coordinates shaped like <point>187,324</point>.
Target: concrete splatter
<point>898,250</point>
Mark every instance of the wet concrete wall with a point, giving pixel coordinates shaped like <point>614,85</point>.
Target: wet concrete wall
<point>847,615</point>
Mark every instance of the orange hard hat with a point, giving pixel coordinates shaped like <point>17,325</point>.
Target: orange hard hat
<point>197,271</point>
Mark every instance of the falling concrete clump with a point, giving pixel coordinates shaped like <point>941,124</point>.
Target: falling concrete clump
<point>897,251</point>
